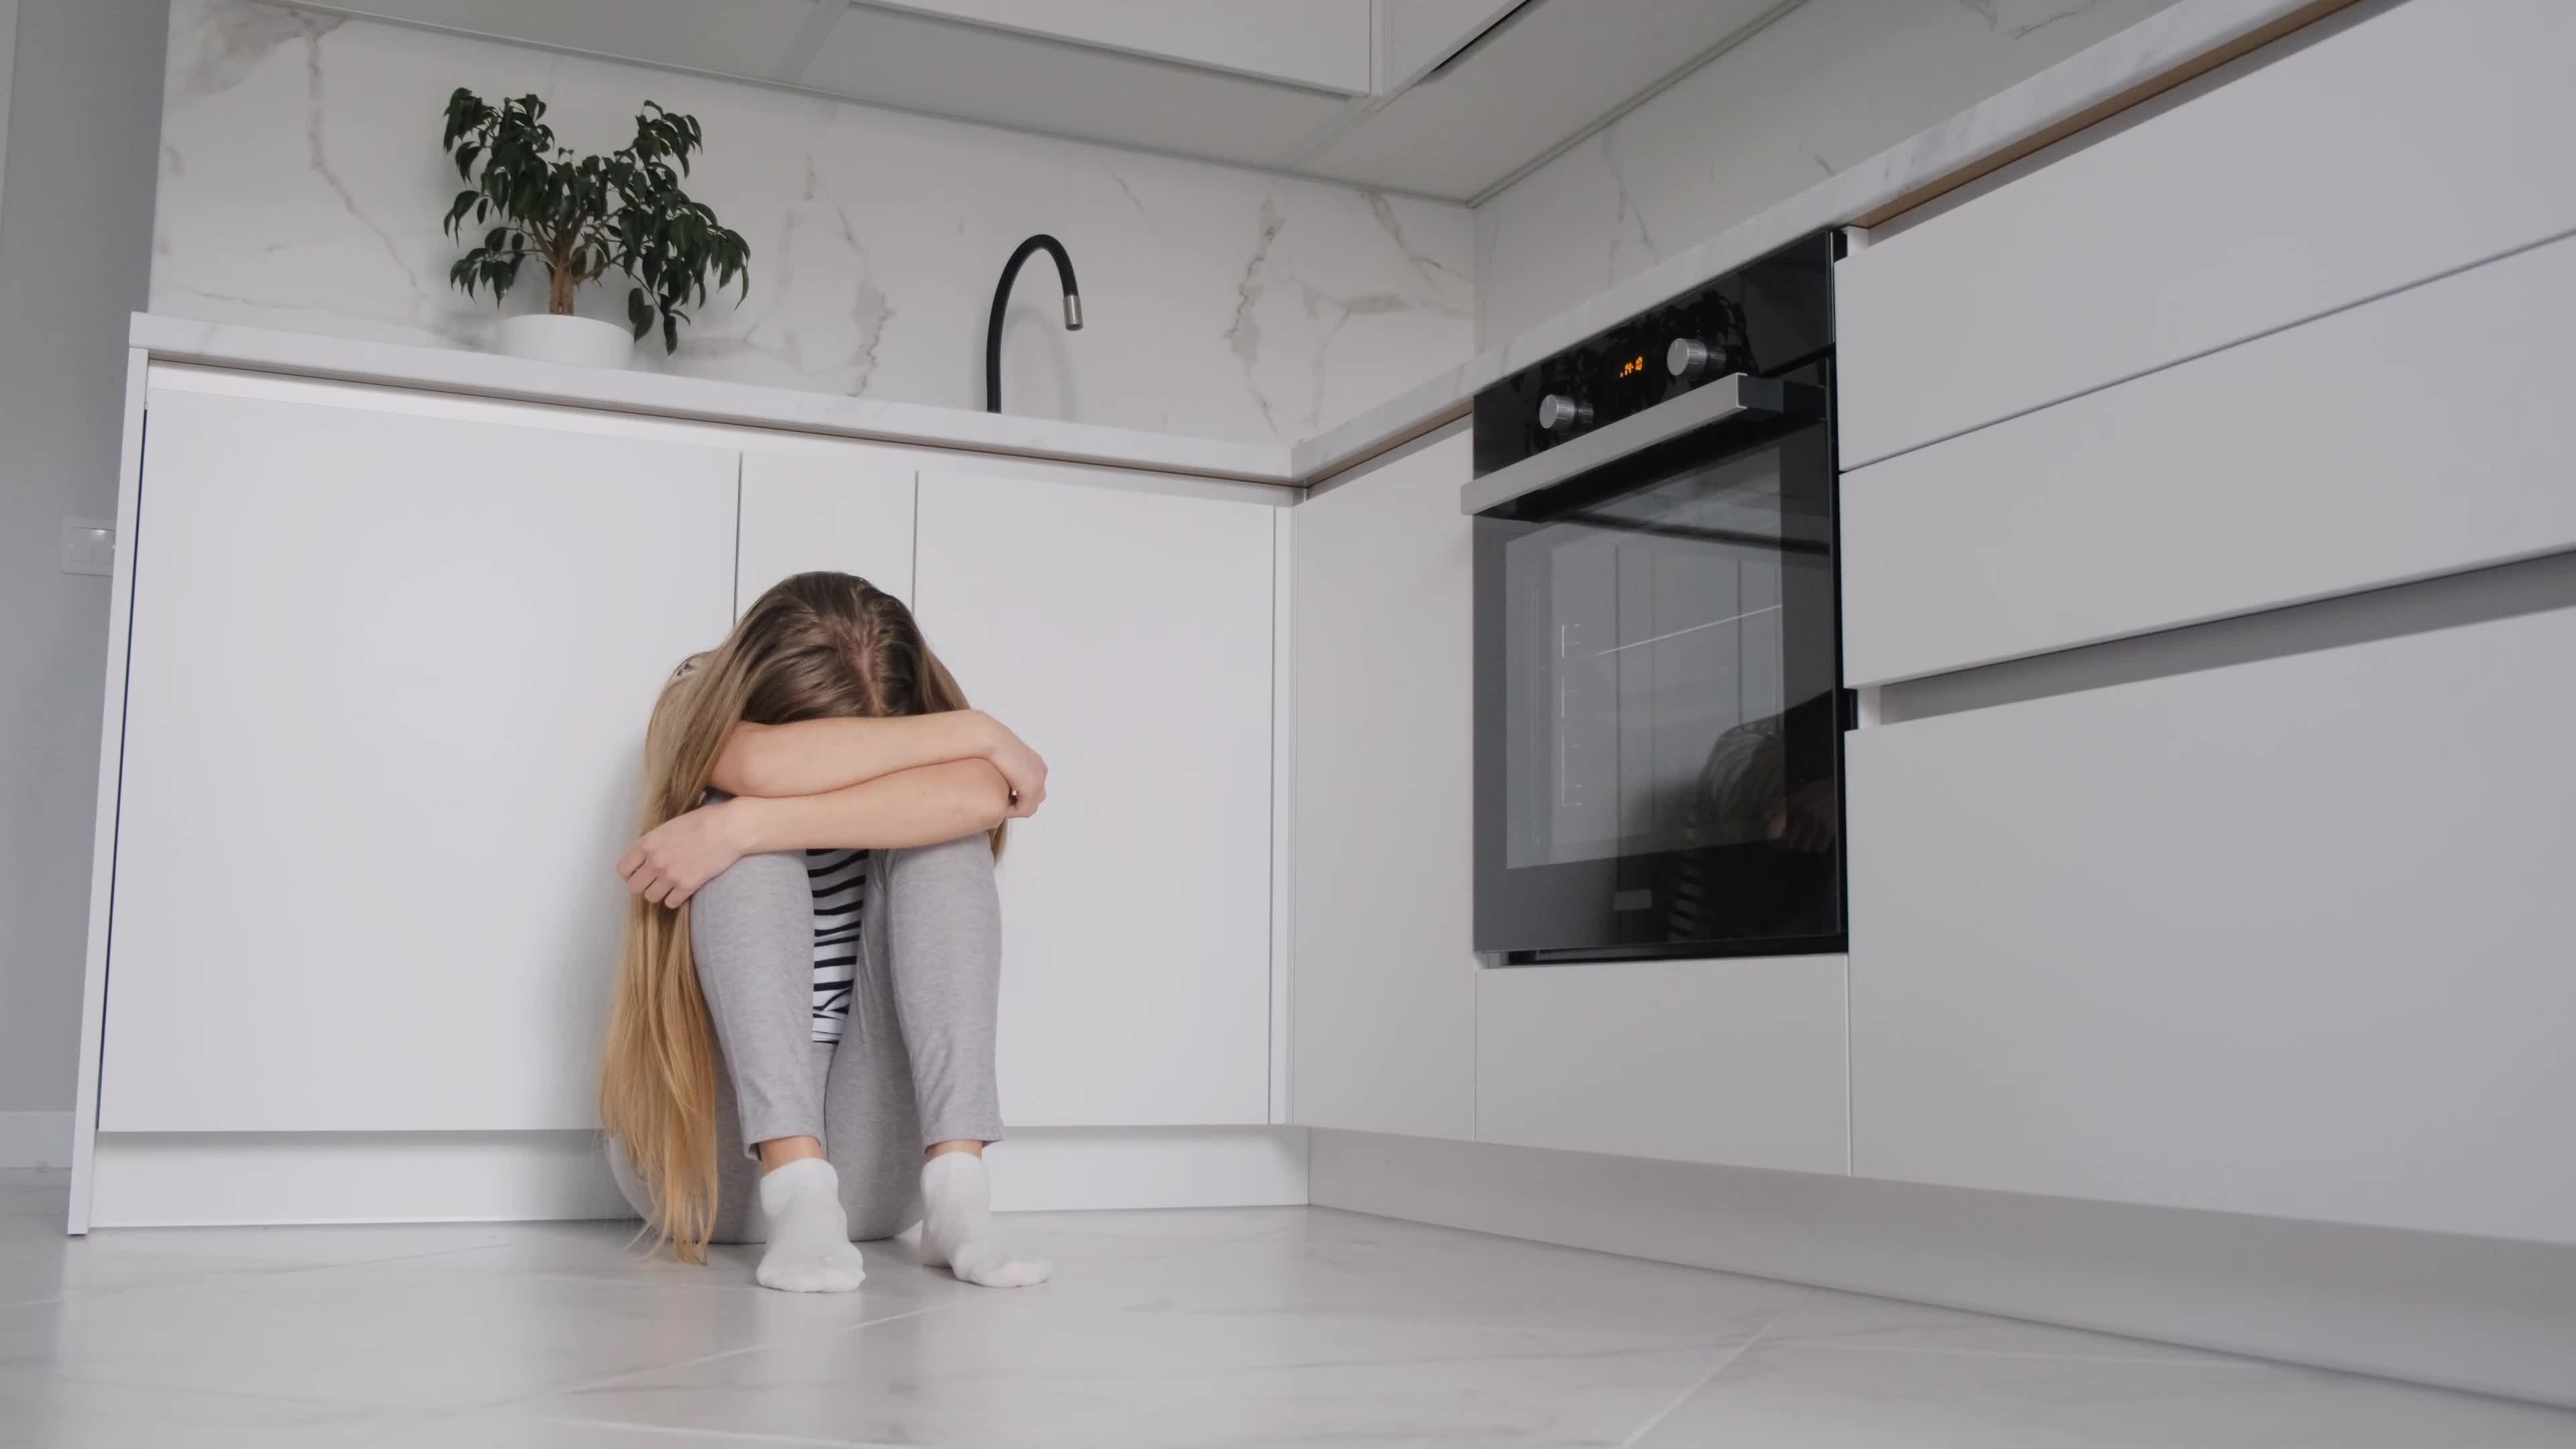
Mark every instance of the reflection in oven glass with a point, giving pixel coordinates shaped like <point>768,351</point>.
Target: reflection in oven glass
<point>1652,711</point>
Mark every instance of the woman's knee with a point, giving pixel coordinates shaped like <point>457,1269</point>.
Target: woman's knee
<point>955,874</point>
<point>755,891</point>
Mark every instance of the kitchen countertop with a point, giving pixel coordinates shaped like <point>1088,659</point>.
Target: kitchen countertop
<point>486,374</point>
<point>2153,48</point>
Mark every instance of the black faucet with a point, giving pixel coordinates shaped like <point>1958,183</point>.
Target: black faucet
<point>1002,297</point>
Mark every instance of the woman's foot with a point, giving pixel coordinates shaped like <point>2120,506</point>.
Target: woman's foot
<point>957,1226</point>
<point>809,1236</point>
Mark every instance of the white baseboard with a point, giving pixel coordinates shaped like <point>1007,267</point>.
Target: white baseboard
<point>190,1179</point>
<point>1067,1168</point>
<point>35,1139</point>
<point>169,1179</point>
<point>2471,1313</point>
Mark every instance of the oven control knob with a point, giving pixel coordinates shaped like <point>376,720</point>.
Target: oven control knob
<point>1558,413</point>
<point>1688,357</point>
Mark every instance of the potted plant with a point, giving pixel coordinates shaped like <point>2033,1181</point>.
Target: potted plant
<point>580,219</point>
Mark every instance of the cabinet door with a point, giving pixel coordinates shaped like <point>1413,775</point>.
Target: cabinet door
<point>385,717</point>
<point>2288,937</point>
<point>1385,980</point>
<point>843,507</point>
<point>1126,636</point>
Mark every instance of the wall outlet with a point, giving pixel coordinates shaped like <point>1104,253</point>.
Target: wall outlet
<point>89,546</point>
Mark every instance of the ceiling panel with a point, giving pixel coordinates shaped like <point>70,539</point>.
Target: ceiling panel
<point>1323,43</point>
<point>733,37</point>
<point>1548,75</point>
<point>1096,95</point>
<point>1554,70</point>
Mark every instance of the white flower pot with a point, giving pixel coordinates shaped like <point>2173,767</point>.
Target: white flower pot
<point>580,341</point>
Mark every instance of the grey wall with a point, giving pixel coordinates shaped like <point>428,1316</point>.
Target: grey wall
<point>75,257</point>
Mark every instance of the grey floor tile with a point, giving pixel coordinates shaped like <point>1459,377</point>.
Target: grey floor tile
<point>513,1429</point>
<point>1254,1326</point>
<point>1349,1265</point>
<point>409,1337</point>
<point>1031,1371</point>
<point>1878,1399</point>
<point>42,1410</point>
<point>1849,1321</point>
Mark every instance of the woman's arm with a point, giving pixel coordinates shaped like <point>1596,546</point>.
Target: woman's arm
<point>920,806</point>
<point>813,756</point>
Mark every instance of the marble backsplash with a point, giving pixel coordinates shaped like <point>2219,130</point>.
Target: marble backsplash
<point>1829,84</point>
<point>302,185</point>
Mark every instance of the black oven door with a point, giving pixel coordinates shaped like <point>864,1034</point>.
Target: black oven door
<point>1658,751</point>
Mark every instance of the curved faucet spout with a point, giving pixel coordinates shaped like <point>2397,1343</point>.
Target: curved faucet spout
<point>1002,298</point>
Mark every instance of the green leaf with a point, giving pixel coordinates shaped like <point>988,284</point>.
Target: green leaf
<point>585,216</point>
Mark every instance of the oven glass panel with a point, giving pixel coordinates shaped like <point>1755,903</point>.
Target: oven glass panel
<point>1657,682</point>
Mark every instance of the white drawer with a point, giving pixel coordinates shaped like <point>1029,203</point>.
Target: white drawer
<point>1728,1061</point>
<point>2420,434</point>
<point>2419,140</point>
<point>2291,937</point>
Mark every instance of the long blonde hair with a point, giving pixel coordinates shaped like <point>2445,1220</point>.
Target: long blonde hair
<point>816,646</point>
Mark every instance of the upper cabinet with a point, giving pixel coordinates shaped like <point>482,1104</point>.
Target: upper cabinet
<point>1319,43</point>
<point>1418,35</point>
<point>1353,91</point>
<point>384,715</point>
<point>1124,630</point>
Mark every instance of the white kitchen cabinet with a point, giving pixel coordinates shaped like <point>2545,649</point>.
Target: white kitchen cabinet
<point>1319,43</point>
<point>1420,34</point>
<point>384,709</point>
<point>1124,630</point>
<point>2420,434</point>
<point>1739,1062</point>
<point>2412,140</point>
<point>2287,937</point>
<point>838,507</point>
<point>1384,1018</point>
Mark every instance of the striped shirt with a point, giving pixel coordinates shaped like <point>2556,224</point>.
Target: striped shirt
<point>840,882</point>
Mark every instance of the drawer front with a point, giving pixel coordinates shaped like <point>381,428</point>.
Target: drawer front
<point>2416,141</point>
<point>2291,937</point>
<point>1727,1061</point>
<point>2421,434</point>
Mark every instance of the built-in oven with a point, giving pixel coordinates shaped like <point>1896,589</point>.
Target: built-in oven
<point>1659,717</point>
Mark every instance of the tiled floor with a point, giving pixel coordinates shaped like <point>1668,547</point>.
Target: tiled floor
<point>1271,1326</point>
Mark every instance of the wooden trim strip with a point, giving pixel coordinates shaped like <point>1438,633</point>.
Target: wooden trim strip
<point>1392,441</point>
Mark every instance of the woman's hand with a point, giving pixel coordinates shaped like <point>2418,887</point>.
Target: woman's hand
<point>683,853</point>
<point>1021,768</point>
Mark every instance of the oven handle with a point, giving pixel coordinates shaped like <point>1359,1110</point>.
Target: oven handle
<point>1737,394</point>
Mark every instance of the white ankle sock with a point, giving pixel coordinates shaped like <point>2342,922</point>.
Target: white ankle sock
<point>957,1226</point>
<point>809,1235</point>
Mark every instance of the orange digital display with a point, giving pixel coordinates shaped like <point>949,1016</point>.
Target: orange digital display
<point>1632,367</point>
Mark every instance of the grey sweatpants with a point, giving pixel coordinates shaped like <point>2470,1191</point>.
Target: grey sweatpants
<point>914,1064</point>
